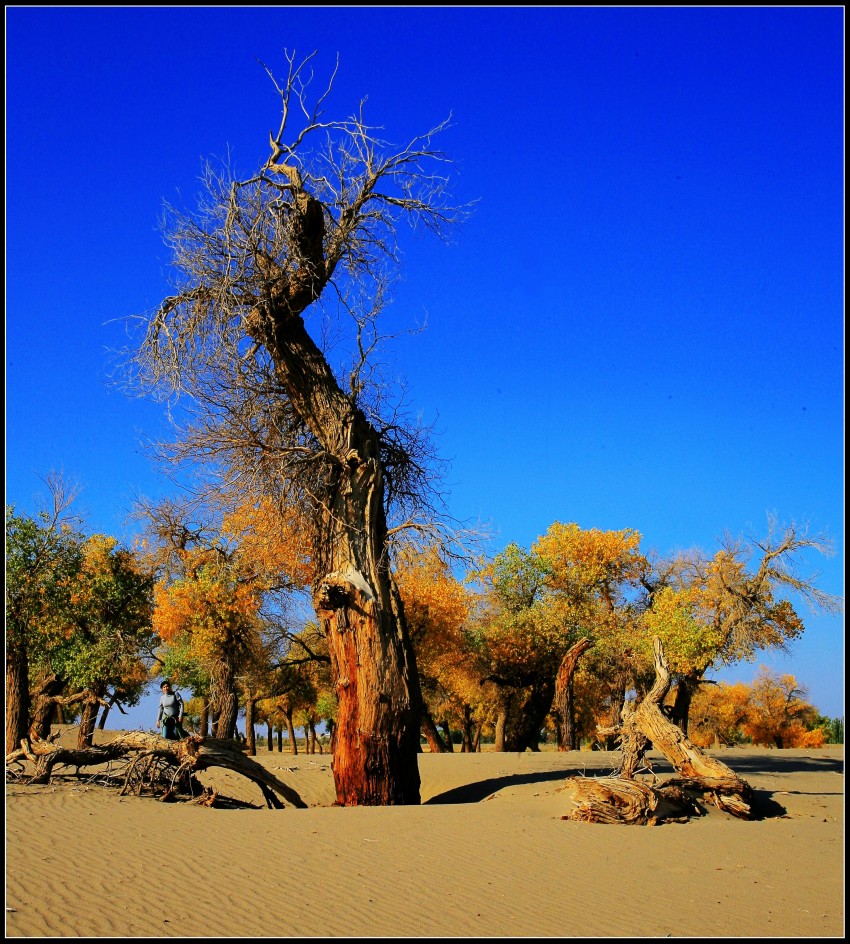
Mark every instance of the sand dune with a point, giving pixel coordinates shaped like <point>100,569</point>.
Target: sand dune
<point>486,854</point>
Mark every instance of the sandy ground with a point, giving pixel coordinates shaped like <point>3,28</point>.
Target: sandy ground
<point>485,855</point>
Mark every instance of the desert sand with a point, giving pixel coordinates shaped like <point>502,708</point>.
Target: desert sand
<point>487,854</point>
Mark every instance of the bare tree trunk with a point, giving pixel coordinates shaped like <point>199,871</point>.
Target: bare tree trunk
<point>87,721</point>
<point>432,735</point>
<point>224,700</point>
<point>101,724</point>
<point>563,705</point>
<point>280,739</point>
<point>270,736</point>
<point>522,730</point>
<point>355,596</point>
<point>17,694</point>
<point>45,705</point>
<point>290,728</point>
<point>250,701</point>
<point>466,744</point>
<point>447,736</point>
<point>204,720</point>
<point>686,687</point>
<point>499,734</point>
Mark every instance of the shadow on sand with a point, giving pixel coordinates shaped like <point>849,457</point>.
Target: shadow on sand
<point>763,805</point>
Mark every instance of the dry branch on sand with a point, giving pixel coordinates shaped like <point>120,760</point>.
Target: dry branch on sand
<point>622,799</point>
<point>165,767</point>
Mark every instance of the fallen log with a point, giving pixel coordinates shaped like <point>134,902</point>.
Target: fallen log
<point>628,802</point>
<point>180,759</point>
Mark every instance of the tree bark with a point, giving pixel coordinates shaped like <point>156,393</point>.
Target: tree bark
<point>270,736</point>
<point>290,730</point>
<point>204,720</point>
<point>17,692</point>
<point>250,701</point>
<point>432,735</point>
<point>354,595</point>
<point>88,720</point>
<point>563,704</point>
<point>467,745</point>
<point>522,729</point>
<point>45,705</point>
<point>224,701</point>
<point>686,687</point>
<point>499,735</point>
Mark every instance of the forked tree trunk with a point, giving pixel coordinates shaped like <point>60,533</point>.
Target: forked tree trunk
<point>697,769</point>
<point>563,705</point>
<point>45,705</point>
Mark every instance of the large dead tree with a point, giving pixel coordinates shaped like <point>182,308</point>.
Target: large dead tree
<point>311,232</point>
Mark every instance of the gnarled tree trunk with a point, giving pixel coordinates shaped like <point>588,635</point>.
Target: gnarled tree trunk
<point>623,799</point>
<point>563,706</point>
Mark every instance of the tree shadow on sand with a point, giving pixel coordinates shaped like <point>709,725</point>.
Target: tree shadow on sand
<point>763,804</point>
<point>481,789</point>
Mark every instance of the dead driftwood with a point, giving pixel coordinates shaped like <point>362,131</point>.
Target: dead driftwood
<point>622,799</point>
<point>165,768</point>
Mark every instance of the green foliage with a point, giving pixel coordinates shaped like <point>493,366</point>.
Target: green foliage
<point>42,557</point>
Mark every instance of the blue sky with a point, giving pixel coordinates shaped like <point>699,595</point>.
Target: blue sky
<point>641,325</point>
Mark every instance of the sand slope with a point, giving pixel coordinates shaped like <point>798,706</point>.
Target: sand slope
<point>486,854</point>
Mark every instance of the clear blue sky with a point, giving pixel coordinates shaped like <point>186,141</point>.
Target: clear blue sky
<point>640,326</point>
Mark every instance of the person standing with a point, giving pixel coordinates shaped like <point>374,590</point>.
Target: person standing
<point>169,718</point>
